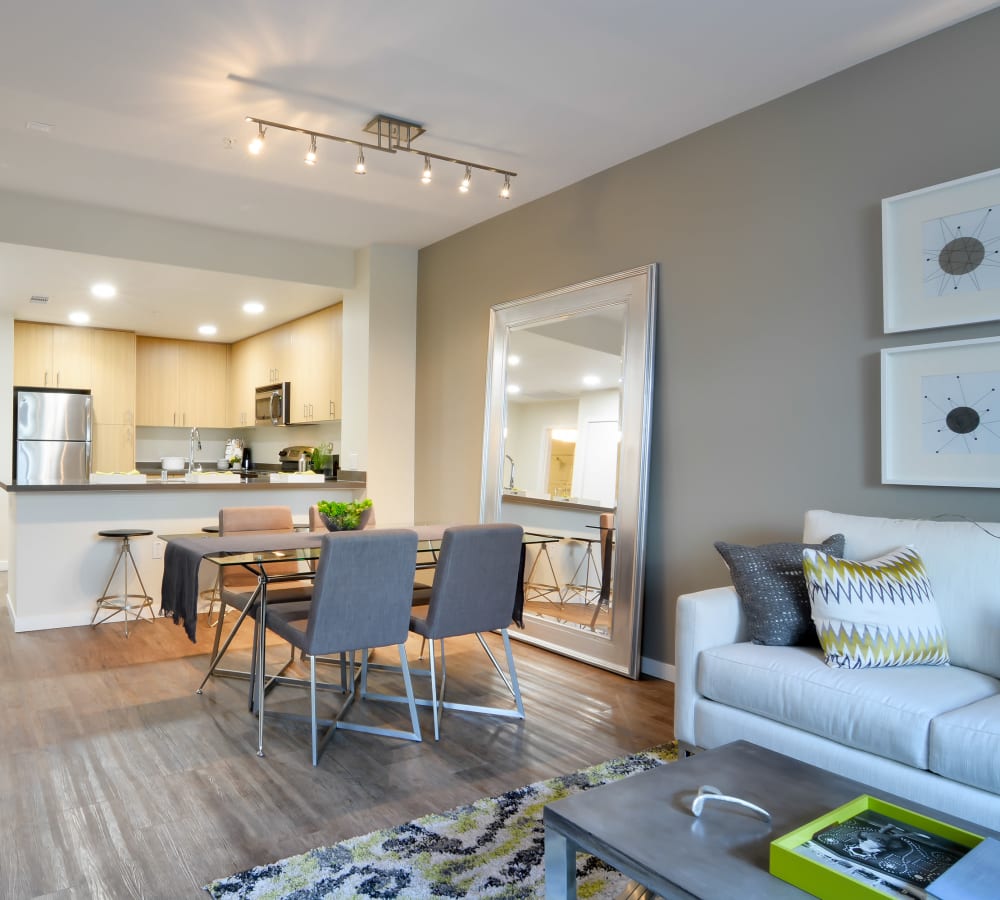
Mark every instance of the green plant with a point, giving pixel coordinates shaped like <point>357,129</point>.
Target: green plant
<point>345,516</point>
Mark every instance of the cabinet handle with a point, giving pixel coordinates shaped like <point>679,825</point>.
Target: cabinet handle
<point>46,383</point>
<point>58,379</point>
<point>175,418</point>
<point>333,409</point>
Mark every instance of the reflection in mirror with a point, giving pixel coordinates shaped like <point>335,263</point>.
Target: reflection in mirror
<point>566,455</point>
<point>564,381</point>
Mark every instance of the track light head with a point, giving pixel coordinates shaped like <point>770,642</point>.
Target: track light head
<point>310,159</point>
<point>505,190</point>
<point>257,144</point>
<point>425,178</point>
<point>466,180</point>
<point>359,168</point>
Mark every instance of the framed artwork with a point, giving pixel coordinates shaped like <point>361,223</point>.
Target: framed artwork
<point>941,414</point>
<point>941,254</point>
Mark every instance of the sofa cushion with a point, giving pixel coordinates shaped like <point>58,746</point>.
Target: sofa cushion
<point>876,613</point>
<point>772,589</point>
<point>883,711</point>
<point>962,560</point>
<point>964,744</point>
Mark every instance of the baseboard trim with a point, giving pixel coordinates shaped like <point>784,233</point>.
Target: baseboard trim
<point>52,620</point>
<point>656,669</point>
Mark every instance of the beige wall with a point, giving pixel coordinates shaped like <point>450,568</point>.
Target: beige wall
<point>767,231</point>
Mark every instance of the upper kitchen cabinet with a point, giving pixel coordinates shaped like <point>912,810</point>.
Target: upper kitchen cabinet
<point>113,377</point>
<point>55,356</point>
<point>315,365</point>
<point>181,383</point>
<point>306,352</point>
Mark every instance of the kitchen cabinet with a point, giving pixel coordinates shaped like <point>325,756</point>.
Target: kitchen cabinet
<point>181,383</point>
<point>306,352</point>
<point>315,375</point>
<point>113,448</point>
<point>113,377</point>
<point>55,356</point>
<point>241,385</point>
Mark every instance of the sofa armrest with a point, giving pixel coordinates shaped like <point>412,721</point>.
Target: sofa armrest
<point>705,619</point>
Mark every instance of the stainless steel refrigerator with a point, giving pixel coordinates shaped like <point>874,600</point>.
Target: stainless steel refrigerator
<point>52,436</point>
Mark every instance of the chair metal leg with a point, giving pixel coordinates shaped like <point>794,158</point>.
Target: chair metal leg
<point>434,694</point>
<point>312,706</point>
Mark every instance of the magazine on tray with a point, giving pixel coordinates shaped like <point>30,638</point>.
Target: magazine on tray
<point>890,856</point>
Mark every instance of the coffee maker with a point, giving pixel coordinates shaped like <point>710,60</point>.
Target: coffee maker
<point>247,464</point>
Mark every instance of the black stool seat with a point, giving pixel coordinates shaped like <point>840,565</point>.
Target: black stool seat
<point>210,529</point>
<point>116,604</point>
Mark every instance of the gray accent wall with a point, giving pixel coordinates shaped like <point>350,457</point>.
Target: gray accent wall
<point>766,228</point>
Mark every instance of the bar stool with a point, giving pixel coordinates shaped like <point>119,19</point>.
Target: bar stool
<point>120,602</point>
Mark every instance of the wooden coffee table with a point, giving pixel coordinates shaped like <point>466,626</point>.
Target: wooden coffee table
<point>643,825</point>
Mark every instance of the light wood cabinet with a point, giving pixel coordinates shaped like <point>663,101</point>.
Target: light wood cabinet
<point>113,377</point>
<point>55,356</point>
<point>306,352</point>
<point>113,448</point>
<point>241,385</point>
<point>181,384</point>
<point>315,375</point>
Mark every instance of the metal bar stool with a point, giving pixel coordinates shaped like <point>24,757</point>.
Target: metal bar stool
<point>120,602</point>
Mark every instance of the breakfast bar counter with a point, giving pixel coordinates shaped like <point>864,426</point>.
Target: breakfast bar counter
<point>58,565</point>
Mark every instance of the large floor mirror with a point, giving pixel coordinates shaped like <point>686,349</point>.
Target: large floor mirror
<point>566,456</point>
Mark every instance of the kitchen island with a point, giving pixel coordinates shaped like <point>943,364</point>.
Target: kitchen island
<point>58,565</point>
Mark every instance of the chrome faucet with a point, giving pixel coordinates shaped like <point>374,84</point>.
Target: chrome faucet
<point>195,439</point>
<point>510,484</point>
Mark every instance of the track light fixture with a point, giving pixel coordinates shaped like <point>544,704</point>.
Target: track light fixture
<point>392,135</point>
<point>257,144</point>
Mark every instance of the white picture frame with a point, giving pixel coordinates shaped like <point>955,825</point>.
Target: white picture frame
<point>941,414</point>
<point>941,254</point>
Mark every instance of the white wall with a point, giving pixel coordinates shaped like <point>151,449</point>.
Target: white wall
<point>392,362</point>
<point>527,440</point>
<point>595,462</point>
<point>354,430</point>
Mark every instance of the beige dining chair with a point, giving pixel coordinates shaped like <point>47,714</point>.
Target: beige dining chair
<point>236,585</point>
<point>607,530</point>
<point>361,600</point>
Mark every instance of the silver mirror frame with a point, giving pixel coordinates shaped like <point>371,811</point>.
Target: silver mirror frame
<point>637,289</point>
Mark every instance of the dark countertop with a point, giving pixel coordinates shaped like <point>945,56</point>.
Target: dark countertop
<point>534,500</point>
<point>177,483</point>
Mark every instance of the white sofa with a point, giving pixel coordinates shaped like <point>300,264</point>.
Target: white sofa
<point>928,733</point>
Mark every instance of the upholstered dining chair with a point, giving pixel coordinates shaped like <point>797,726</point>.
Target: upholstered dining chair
<point>236,585</point>
<point>361,600</point>
<point>473,592</point>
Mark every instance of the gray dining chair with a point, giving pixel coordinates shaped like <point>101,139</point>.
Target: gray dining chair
<point>361,600</point>
<point>473,592</point>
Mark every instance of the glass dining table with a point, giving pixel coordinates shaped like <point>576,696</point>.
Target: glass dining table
<point>258,554</point>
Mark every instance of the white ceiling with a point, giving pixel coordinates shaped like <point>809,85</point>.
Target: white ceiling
<point>146,100</point>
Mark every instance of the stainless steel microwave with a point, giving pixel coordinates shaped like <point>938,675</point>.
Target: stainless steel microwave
<point>272,404</point>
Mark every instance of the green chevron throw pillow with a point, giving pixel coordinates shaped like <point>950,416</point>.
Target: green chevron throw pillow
<point>876,613</point>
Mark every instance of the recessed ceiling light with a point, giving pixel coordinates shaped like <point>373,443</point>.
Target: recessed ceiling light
<point>514,360</point>
<point>591,380</point>
<point>253,307</point>
<point>104,290</point>
<point>513,389</point>
<point>207,329</point>
<point>79,318</point>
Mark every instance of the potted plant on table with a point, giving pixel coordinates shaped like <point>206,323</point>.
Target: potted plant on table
<point>344,516</point>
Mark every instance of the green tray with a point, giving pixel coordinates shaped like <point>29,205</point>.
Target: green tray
<point>827,883</point>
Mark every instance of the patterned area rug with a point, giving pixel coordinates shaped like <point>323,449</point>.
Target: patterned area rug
<point>493,848</point>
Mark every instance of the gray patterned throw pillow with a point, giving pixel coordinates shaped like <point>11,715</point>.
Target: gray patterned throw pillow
<point>772,589</point>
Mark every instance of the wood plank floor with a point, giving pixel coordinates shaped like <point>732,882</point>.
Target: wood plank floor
<point>117,780</point>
